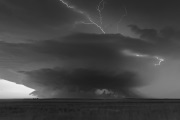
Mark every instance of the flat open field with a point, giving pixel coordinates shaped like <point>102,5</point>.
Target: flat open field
<point>90,109</point>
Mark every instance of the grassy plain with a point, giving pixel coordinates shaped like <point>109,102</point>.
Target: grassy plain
<point>90,109</point>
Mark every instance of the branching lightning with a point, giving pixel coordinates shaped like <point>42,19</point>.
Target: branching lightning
<point>100,9</point>
<point>160,60</point>
<point>91,21</point>
<point>65,3</point>
<point>130,53</point>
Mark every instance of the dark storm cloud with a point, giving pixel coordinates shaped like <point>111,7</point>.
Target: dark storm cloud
<point>20,56</point>
<point>75,46</point>
<point>164,35</point>
<point>88,49</point>
<point>80,80</point>
<point>17,50</point>
<point>91,61</point>
<point>96,50</point>
<point>97,58</point>
<point>92,45</point>
<point>165,41</point>
<point>147,34</point>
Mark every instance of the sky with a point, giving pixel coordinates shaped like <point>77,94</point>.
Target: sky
<point>89,49</point>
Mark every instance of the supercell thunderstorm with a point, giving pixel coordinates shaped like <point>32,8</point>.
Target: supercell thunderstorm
<point>96,62</point>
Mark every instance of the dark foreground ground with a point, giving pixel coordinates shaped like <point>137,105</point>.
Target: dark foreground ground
<point>76,109</point>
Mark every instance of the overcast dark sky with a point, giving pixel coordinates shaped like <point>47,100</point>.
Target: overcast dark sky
<point>91,48</point>
<point>44,19</point>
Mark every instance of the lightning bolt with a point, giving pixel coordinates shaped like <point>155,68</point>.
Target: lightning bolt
<point>65,3</point>
<point>126,13</point>
<point>159,59</point>
<point>91,21</point>
<point>130,53</point>
<point>99,9</point>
